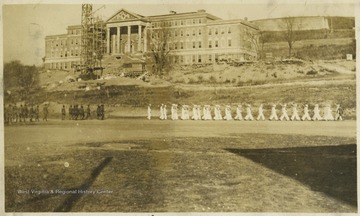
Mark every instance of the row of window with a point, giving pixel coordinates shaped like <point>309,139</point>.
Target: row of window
<point>178,23</point>
<point>62,65</point>
<point>198,44</point>
<point>64,42</point>
<point>194,32</point>
<point>74,32</point>
<point>64,54</point>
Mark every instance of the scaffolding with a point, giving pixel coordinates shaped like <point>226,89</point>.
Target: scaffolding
<point>93,37</point>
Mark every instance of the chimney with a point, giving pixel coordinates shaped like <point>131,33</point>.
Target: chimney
<point>201,11</point>
<point>172,12</point>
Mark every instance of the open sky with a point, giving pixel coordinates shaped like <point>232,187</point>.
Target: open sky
<point>26,23</point>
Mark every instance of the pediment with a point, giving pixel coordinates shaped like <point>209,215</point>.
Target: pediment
<point>124,15</point>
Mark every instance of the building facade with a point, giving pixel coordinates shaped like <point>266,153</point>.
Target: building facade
<point>62,52</point>
<point>192,38</point>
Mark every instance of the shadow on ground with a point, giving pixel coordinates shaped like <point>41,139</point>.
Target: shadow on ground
<point>327,169</point>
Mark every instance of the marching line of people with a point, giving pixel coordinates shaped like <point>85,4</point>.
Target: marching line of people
<point>76,112</point>
<point>15,114</point>
<point>206,113</point>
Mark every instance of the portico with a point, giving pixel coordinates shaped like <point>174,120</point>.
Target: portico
<point>126,34</point>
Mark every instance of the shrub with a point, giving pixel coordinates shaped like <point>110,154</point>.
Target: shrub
<point>212,79</point>
<point>191,81</point>
<point>200,78</point>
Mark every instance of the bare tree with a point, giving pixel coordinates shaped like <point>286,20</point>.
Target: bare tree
<point>289,33</point>
<point>160,46</point>
<point>258,40</point>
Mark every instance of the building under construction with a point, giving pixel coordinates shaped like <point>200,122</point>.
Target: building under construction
<point>122,42</point>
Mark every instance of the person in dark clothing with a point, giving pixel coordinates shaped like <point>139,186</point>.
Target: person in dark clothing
<point>81,113</point>
<point>88,112</point>
<point>63,113</point>
<point>98,112</point>
<point>102,111</point>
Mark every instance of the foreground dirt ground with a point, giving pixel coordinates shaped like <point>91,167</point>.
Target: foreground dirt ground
<point>136,165</point>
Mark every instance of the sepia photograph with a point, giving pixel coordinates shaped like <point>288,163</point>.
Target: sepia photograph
<point>179,107</point>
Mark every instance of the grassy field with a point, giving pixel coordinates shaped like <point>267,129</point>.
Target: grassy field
<point>135,165</point>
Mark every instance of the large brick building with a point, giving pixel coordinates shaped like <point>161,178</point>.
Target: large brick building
<point>194,37</point>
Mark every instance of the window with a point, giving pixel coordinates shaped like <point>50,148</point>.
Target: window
<point>194,44</point>
<point>175,23</point>
<point>199,44</point>
<point>210,44</point>
<point>216,44</point>
<point>229,30</point>
<point>209,31</point>
<point>181,45</point>
<point>216,31</point>
<point>210,58</point>
<point>76,41</point>
<point>200,20</point>
<point>199,31</point>
<point>175,44</point>
<point>193,21</point>
<point>222,31</point>
<point>187,33</point>
<point>72,41</point>
<point>193,58</point>
<point>182,22</point>
<point>181,59</point>
<point>193,33</point>
<point>176,34</point>
<point>229,42</point>
<point>181,33</point>
<point>199,58</point>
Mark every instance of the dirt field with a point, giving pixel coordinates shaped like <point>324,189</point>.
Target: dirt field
<point>136,165</point>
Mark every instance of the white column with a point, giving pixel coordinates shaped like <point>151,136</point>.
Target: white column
<point>108,41</point>
<point>145,38</point>
<point>118,40</point>
<point>139,41</point>
<point>129,32</point>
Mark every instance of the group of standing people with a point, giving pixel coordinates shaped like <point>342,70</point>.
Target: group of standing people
<point>24,113</point>
<point>204,113</point>
<point>76,112</point>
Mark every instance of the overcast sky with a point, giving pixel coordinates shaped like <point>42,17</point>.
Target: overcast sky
<point>25,25</point>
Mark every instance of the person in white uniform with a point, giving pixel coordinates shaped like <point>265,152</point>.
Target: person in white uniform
<point>249,115</point>
<point>295,114</point>
<point>207,113</point>
<point>316,116</point>
<point>261,113</point>
<point>217,112</point>
<point>284,114</point>
<point>306,115</point>
<point>273,113</point>
<point>228,116</point>
<point>149,112</point>
<point>162,112</point>
<point>238,113</point>
<point>174,114</point>
<point>328,113</point>
<point>198,110</point>
<point>194,113</point>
